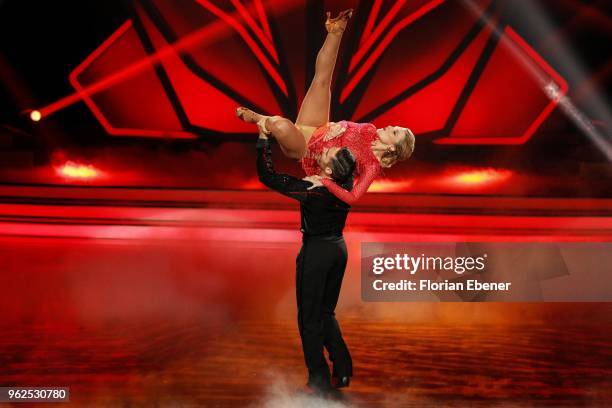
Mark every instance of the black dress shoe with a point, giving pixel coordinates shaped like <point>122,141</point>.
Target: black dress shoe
<point>319,385</point>
<point>319,389</point>
<point>341,382</point>
<point>326,393</point>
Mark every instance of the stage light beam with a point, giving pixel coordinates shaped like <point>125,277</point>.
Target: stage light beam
<point>200,37</point>
<point>549,87</point>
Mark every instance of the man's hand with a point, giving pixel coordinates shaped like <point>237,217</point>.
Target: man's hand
<point>315,180</point>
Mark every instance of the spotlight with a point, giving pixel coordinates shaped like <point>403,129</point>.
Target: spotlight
<point>74,170</point>
<point>479,177</point>
<point>35,116</point>
<point>391,186</point>
<point>471,179</point>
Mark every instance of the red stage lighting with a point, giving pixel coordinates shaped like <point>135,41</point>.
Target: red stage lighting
<point>391,186</point>
<point>478,177</point>
<point>75,170</point>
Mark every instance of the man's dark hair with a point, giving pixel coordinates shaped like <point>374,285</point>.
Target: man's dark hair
<point>342,165</point>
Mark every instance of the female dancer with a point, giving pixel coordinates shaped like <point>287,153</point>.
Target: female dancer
<point>313,138</point>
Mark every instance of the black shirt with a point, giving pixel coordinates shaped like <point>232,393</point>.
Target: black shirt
<point>321,212</point>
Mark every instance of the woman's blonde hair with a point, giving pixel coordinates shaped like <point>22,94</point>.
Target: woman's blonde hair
<point>403,150</point>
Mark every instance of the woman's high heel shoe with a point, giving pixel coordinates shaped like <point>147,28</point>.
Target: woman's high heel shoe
<point>249,116</point>
<point>338,24</point>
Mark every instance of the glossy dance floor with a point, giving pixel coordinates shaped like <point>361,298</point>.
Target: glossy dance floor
<point>132,301</point>
<point>255,363</point>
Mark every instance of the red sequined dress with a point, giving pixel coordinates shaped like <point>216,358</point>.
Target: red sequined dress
<point>358,137</point>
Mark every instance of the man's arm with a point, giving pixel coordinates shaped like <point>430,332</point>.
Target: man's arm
<point>283,183</point>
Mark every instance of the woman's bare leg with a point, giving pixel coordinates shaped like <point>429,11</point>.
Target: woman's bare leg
<point>289,137</point>
<point>316,105</point>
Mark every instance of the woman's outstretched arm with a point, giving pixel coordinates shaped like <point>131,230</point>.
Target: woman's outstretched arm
<point>360,188</point>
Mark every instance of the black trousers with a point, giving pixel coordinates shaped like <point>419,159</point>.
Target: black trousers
<point>320,268</point>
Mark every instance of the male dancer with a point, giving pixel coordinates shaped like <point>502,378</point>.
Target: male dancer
<point>321,262</point>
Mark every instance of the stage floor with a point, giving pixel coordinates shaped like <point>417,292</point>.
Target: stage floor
<point>187,298</point>
<point>259,363</point>
<point>201,323</point>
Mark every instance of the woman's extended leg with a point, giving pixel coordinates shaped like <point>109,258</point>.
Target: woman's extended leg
<point>315,108</point>
<point>316,105</point>
<point>289,137</point>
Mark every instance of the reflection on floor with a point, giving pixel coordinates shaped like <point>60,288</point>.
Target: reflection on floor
<point>149,297</point>
<point>202,323</point>
<point>258,363</point>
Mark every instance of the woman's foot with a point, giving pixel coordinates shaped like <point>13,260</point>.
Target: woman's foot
<point>250,116</point>
<point>338,25</point>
